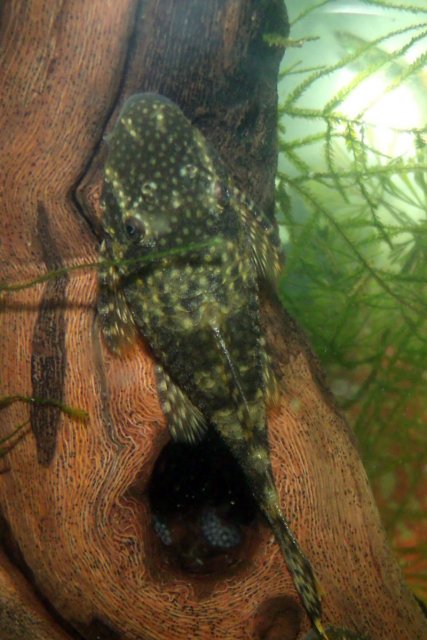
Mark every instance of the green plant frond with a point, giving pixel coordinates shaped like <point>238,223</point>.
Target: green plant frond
<point>341,95</point>
<point>335,263</point>
<point>330,161</point>
<point>45,277</point>
<point>296,94</point>
<point>303,142</point>
<point>10,440</point>
<point>277,40</point>
<point>308,196</point>
<point>73,412</point>
<point>359,151</point>
<point>295,69</point>
<point>407,73</point>
<point>140,260</point>
<point>393,169</point>
<point>341,118</point>
<point>11,436</point>
<point>309,9</point>
<point>384,4</point>
<point>294,158</point>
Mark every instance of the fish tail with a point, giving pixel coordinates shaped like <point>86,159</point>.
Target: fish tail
<point>299,567</point>
<point>252,454</point>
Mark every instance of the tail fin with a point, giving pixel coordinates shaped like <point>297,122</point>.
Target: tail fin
<point>298,565</point>
<point>248,441</point>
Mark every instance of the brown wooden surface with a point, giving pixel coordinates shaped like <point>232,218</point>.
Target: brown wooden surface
<point>81,538</point>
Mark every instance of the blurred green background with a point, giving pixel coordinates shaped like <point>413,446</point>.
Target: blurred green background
<point>352,209</point>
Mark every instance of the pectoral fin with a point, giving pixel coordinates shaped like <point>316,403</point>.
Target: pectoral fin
<point>272,393</point>
<point>116,321</point>
<point>264,241</point>
<point>186,423</point>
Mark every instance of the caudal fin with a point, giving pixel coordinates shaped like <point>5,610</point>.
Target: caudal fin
<point>299,567</point>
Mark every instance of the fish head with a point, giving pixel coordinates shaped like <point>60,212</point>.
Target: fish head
<point>161,187</point>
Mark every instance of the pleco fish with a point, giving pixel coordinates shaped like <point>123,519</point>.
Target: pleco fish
<point>188,250</point>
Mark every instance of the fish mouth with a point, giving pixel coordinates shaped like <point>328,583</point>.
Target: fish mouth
<point>204,518</point>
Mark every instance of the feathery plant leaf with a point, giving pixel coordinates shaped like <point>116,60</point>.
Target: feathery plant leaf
<point>73,412</point>
<point>10,440</point>
<point>399,7</point>
<point>343,63</point>
<point>409,72</point>
<point>372,68</point>
<point>140,260</point>
<point>352,194</point>
<point>309,9</point>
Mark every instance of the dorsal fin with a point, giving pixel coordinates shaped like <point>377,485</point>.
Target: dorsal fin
<point>271,385</point>
<point>117,324</point>
<point>264,240</point>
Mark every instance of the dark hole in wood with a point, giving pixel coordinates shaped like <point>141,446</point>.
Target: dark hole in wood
<point>98,630</point>
<point>204,515</point>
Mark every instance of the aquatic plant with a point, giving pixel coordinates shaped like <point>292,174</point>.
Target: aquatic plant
<point>352,203</point>
<point>9,441</point>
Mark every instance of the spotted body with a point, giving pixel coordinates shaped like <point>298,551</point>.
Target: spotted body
<point>189,251</point>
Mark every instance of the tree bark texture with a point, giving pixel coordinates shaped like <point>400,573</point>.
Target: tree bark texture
<point>81,559</point>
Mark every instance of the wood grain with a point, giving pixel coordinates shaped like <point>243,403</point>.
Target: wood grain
<point>79,526</point>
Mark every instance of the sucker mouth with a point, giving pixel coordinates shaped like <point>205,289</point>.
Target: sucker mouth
<point>203,514</point>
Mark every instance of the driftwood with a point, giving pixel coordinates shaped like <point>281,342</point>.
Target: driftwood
<point>81,559</point>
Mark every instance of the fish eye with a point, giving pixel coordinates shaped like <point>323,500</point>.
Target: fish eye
<point>135,228</point>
